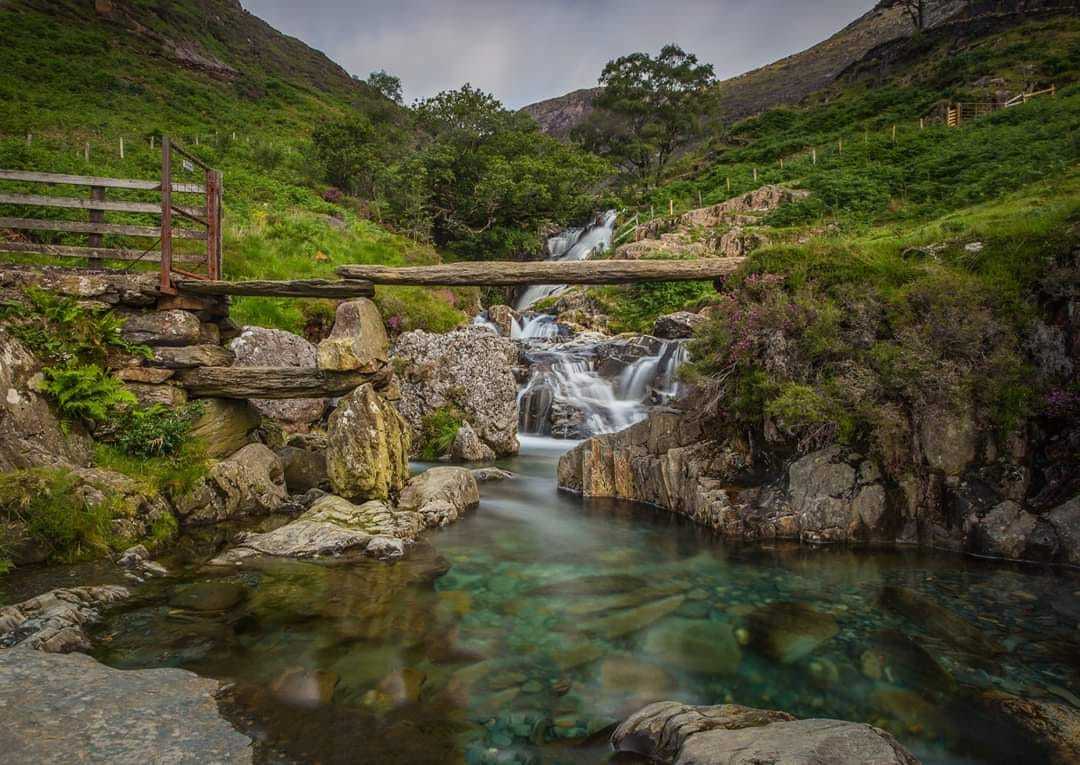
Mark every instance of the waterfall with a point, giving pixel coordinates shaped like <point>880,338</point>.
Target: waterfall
<point>572,244</point>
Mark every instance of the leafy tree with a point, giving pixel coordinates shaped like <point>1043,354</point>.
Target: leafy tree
<point>648,108</point>
<point>352,152</point>
<point>387,84</point>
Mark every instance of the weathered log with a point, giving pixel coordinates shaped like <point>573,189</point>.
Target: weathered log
<point>502,273</point>
<point>275,382</point>
<point>316,288</point>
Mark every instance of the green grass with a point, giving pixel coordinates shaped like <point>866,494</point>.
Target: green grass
<point>437,432</point>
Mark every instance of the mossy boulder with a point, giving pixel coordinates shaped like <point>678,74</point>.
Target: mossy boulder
<point>367,453</point>
<point>358,340</point>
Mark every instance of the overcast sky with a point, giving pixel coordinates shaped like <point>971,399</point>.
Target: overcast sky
<point>529,50</point>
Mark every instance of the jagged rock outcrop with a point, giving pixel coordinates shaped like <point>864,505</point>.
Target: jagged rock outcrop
<point>250,482</point>
<point>358,340</point>
<point>30,433</point>
<point>167,328</point>
<point>678,325</point>
<point>467,369</point>
<point>729,734</point>
<point>368,442</point>
<point>259,347</point>
<point>467,446</point>
<point>70,707</point>
<point>54,621</point>
<point>675,461</point>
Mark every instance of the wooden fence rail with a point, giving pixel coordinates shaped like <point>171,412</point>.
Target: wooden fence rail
<point>205,217</point>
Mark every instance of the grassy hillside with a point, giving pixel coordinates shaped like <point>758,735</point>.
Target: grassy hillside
<point>242,96</point>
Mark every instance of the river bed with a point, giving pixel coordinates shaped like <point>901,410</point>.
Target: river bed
<point>524,631</point>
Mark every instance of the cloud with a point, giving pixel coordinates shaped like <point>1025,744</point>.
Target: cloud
<point>528,51</point>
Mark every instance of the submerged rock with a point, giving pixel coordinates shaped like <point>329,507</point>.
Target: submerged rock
<point>209,596</point>
<point>942,622</point>
<point>1053,727</point>
<point>728,734</point>
<point>468,369</point>
<point>54,621</point>
<point>74,707</point>
<point>632,619</point>
<point>787,632</point>
<point>367,449</point>
<point>695,645</point>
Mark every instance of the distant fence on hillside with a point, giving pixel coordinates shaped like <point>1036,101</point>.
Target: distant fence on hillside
<point>206,217</point>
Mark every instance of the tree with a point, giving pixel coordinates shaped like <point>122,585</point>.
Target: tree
<point>916,11</point>
<point>647,109</point>
<point>387,84</point>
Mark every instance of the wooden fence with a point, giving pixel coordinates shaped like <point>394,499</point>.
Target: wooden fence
<point>961,113</point>
<point>206,217</point>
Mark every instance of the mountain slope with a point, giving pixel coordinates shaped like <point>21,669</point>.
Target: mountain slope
<point>786,81</point>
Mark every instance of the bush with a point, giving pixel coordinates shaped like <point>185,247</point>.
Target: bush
<point>437,432</point>
<point>155,431</point>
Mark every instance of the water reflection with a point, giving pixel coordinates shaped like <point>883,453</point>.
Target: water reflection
<point>523,632</point>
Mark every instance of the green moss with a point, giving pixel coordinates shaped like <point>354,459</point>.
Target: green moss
<point>55,514</point>
<point>171,476</point>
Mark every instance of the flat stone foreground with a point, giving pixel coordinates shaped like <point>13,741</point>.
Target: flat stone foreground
<point>69,708</point>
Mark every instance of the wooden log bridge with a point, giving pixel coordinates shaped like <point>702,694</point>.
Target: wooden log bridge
<point>275,382</point>
<point>302,288</point>
<point>510,274</point>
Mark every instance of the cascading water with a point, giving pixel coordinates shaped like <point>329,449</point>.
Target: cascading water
<point>572,244</point>
<point>589,384</point>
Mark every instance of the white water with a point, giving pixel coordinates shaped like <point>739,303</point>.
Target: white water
<point>572,244</point>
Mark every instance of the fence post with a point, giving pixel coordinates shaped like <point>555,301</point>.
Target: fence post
<point>781,163</point>
<point>699,202</point>
<point>813,155</point>
<point>670,206</point>
<point>86,152</point>
<point>166,216</point>
<point>729,184</point>
<point>29,138</point>
<point>213,224</point>
<point>922,123</point>
<point>97,194</point>
<point>151,143</point>
<point>894,133</point>
<point>121,148</point>
<point>755,175</point>
<point>840,146</point>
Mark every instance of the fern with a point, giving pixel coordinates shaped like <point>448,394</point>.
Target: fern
<point>87,392</point>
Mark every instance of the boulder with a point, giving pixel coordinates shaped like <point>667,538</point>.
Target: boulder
<point>1054,728</point>
<point>467,369</point>
<point>674,326</point>
<point>173,327</point>
<point>54,621</point>
<point>504,318</point>
<point>224,425</point>
<point>728,734</point>
<point>166,395</point>
<point>30,434</point>
<point>1004,532</point>
<point>367,453</point>
<point>440,495</point>
<point>72,708</point>
<point>467,447</point>
<point>191,356</point>
<point>358,340</point>
<point>305,469</point>
<point>250,482</point>
<point>787,632</point>
<point>1066,522</point>
<point>259,347</point>
<point>948,440</point>
<point>333,526</point>
<point>135,508</point>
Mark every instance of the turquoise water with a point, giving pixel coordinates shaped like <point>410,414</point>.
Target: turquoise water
<point>523,632</point>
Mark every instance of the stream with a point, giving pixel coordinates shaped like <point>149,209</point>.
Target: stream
<point>524,631</point>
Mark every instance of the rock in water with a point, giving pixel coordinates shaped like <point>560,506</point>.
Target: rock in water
<point>250,482</point>
<point>468,369</point>
<point>695,645</point>
<point>333,526</point>
<point>787,632</point>
<point>440,495</point>
<point>468,447</point>
<point>259,347</point>
<point>942,622</point>
<point>728,734</point>
<point>73,708</point>
<point>367,453</point>
<point>1053,727</point>
<point>54,621</point>
<point>358,340</point>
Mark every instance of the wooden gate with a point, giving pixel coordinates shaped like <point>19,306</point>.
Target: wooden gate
<point>204,212</point>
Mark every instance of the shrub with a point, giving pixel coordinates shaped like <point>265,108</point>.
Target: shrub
<point>155,431</point>
<point>437,432</point>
